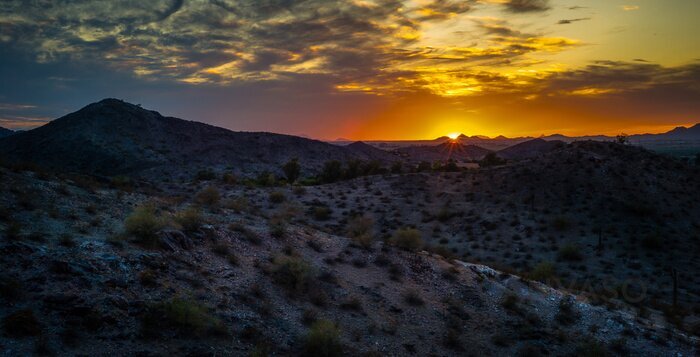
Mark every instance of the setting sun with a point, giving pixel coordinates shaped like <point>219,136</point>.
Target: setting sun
<point>453,136</point>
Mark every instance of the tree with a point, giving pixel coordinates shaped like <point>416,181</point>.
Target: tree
<point>291,170</point>
<point>424,166</point>
<point>491,159</point>
<point>451,166</point>
<point>397,168</point>
<point>622,139</point>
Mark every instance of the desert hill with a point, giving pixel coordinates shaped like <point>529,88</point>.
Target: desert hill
<point>529,149</point>
<point>371,153</point>
<point>89,268</point>
<point>113,137</point>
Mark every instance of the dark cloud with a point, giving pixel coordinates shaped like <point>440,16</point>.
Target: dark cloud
<point>569,21</point>
<point>443,9</point>
<point>520,6</point>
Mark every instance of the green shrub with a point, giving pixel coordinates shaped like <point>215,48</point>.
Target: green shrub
<point>542,271</point>
<point>413,298</point>
<point>570,252</point>
<point>182,314</point>
<point>278,227</point>
<point>322,213</point>
<point>277,197</point>
<point>408,239</point>
<point>209,196</point>
<point>238,204</point>
<point>190,219</point>
<point>21,323</point>
<point>292,169</point>
<point>292,273</point>
<point>143,224</point>
<point>332,171</point>
<point>323,340</point>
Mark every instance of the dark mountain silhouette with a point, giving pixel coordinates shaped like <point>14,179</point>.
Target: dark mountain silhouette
<point>530,149</point>
<point>442,152</point>
<point>369,152</point>
<point>113,137</point>
<point>5,132</point>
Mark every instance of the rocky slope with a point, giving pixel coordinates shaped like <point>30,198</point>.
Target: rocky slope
<point>589,216</point>
<point>236,281</point>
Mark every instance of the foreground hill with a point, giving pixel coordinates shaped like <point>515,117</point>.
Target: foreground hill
<point>5,132</point>
<point>113,137</point>
<point>84,272</point>
<point>590,216</point>
<point>529,149</point>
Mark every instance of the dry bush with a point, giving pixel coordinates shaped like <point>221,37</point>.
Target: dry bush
<point>143,224</point>
<point>208,196</point>
<point>408,239</point>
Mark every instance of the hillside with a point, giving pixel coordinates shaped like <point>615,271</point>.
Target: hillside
<point>588,216</point>
<point>5,132</point>
<point>529,149</point>
<point>222,277</point>
<point>442,152</point>
<point>113,137</point>
<point>371,153</point>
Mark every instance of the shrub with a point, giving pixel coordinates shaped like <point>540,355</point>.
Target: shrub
<point>561,223</point>
<point>190,219</point>
<point>143,224</point>
<point>408,239</point>
<point>205,175</point>
<point>292,273</point>
<point>238,204</point>
<point>209,196</point>
<point>570,252</point>
<point>413,298</point>
<point>277,197</point>
<point>278,227</point>
<point>360,230</point>
<point>652,241</point>
<point>66,240</point>
<point>291,170</point>
<point>21,323</point>
<point>567,314</point>
<point>229,178</point>
<point>221,249</point>
<point>322,213</point>
<point>323,340</point>
<point>542,271</point>
<point>184,315</point>
<point>10,288</point>
<point>13,231</point>
<point>332,171</point>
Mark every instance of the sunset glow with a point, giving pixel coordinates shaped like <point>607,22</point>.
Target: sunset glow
<point>370,69</point>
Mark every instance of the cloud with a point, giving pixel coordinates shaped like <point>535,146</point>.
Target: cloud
<point>443,9</point>
<point>521,6</point>
<point>569,21</point>
<point>630,7</point>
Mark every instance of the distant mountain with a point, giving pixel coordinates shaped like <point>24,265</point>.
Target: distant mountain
<point>113,137</point>
<point>530,149</point>
<point>443,152</point>
<point>5,132</point>
<point>679,133</point>
<point>369,152</point>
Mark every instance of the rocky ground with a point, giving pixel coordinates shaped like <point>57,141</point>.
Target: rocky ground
<point>211,268</point>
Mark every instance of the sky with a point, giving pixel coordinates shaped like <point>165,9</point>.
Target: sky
<point>360,69</point>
